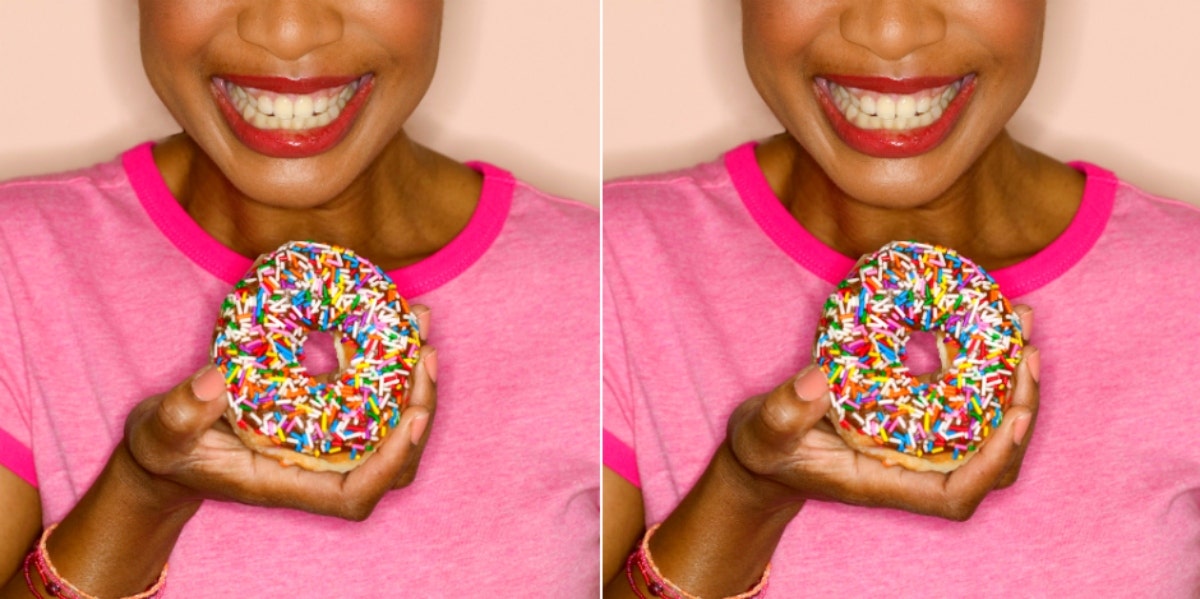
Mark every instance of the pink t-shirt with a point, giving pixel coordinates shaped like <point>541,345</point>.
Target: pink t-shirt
<point>109,293</point>
<point>712,295</point>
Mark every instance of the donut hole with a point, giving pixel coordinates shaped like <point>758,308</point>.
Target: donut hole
<point>318,355</point>
<point>921,354</point>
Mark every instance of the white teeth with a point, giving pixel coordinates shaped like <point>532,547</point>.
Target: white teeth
<point>897,112</point>
<point>867,103</point>
<point>885,108</point>
<point>283,108</point>
<point>303,107</point>
<point>293,112</point>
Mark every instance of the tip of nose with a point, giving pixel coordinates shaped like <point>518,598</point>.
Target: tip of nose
<point>290,30</point>
<point>893,33</point>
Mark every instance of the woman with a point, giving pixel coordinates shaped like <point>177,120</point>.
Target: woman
<point>715,277</point>
<point>292,118</point>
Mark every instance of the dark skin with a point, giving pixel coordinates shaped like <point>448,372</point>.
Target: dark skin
<point>178,452</point>
<point>979,191</point>
<point>376,190</point>
<point>396,220</point>
<point>995,217</point>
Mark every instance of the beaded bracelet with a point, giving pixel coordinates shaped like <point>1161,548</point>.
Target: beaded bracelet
<point>39,560</point>
<point>659,586</point>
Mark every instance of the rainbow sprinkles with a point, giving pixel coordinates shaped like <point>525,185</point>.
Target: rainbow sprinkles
<point>907,286</point>
<point>259,343</point>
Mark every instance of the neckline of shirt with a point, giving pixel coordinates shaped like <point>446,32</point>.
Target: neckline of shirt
<point>1018,279</point>
<point>466,248</point>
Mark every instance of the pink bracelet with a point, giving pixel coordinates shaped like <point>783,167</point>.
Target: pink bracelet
<point>659,586</point>
<point>39,560</point>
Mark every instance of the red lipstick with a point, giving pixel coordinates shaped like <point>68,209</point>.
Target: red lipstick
<point>884,85</point>
<point>285,143</point>
<point>885,143</point>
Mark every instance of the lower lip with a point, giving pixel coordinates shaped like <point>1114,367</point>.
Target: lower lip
<point>284,143</point>
<point>882,143</point>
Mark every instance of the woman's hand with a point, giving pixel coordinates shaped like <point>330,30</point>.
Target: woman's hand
<point>783,440</point>
<point>189,452</point>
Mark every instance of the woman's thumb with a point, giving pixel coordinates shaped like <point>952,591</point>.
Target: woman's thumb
<point>191,408</point>
<point>789,411</point>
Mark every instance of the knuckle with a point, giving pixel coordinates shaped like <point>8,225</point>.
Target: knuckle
<point>777,415</point>
<point>172,417</point>
<point>746,454</point>
<point>406,478</point>
<point>960,510</point>
<point>358,510</point>
<point>145,449</point>
<point>1006,482</point>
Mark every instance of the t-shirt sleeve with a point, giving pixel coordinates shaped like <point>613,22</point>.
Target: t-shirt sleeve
<point>619,454</point>
<point>15,422</point>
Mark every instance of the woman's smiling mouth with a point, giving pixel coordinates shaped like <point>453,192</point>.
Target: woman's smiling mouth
<point>266,109</point>
<point>290,118</point>
<point>893,118</point>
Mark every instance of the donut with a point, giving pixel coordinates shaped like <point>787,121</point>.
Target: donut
<point>327,422</point>
<point>878,406</point>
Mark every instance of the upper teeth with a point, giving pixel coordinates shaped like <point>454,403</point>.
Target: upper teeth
<point>899,112</point>
<point>269,110</point>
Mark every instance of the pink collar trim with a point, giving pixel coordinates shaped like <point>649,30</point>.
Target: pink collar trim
<point>1021,278</point>
<point>413,280</point>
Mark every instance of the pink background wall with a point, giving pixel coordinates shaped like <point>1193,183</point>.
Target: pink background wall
<point>1116,87</point>
<point>518,85</point>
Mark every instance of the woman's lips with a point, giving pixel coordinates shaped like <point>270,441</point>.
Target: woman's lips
<point>291,118</point>
<point>893,118</point>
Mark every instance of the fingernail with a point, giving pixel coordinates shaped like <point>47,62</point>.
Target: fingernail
<point>418,428</point>
<point>423,321</point>
<point>1020,427</point>
<point>208,384</point>
<point>430,362</point>
<point>1033,357</point>
<point>812,384</point>
<point>1025,313</point>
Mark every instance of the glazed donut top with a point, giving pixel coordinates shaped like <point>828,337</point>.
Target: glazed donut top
<point>907,286</point>
<point>259,343</point>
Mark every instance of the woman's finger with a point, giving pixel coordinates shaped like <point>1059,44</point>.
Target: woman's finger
<point>423,314</point>
<point>423,395</point>
<point>790,410</point>
<point>418,415</point>
<point>968,485</point>
<point>1025,313</point>
<point>395,463</point>
<point>184,413</point>
<point>1027,394</point>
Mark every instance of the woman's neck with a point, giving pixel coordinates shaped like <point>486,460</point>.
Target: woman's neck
<point>1009,205</point>
<point>409,203</point>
